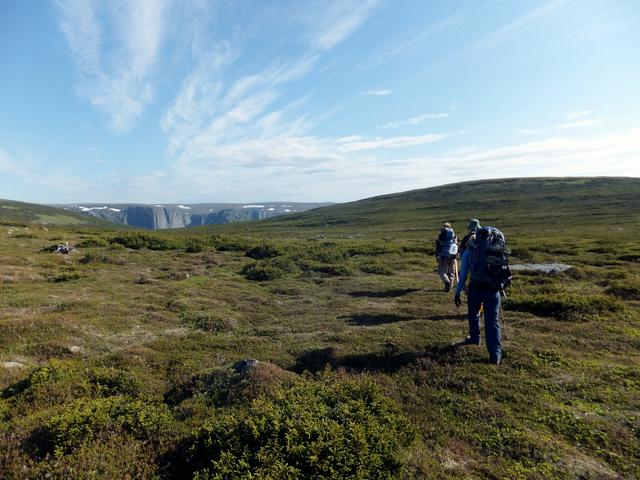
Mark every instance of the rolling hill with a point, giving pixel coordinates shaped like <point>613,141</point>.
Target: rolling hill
<point>21,213</point>
<point>516,205</point>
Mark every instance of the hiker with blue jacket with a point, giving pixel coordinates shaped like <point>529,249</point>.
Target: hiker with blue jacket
<point>485,262</point>
<point>446,252</point>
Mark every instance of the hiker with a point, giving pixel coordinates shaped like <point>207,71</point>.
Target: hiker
<point>486,263</point>
<point>446,252</point>
<point>474,225</point>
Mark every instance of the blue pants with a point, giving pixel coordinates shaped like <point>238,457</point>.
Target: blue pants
<point>490,298</point>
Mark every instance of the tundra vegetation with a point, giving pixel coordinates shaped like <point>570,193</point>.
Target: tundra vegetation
<point>116,360</point>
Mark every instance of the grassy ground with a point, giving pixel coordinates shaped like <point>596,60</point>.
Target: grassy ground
<point>113,346</point>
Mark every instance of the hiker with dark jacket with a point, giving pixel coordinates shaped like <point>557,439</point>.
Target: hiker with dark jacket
<point>484,261</point>
<point>474,225</point>
<point>446,248</point>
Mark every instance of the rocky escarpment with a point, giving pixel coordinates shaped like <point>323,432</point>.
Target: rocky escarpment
<point>157,217</point>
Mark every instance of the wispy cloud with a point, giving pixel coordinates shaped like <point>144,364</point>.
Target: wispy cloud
<point>578,124</point>
<point>576,115</point>
<point>116,80</point>
<point>415,120</point>
<point>377,93</point>
<point>340,19</point>
<point>529,131</point>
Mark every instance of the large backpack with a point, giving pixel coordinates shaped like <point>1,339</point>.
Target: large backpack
<point>447,243</point>
<point>489,260</point>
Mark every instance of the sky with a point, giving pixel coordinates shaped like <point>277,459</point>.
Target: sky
<point>159,101</point>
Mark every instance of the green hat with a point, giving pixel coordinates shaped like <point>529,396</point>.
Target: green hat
<point>474,224</point>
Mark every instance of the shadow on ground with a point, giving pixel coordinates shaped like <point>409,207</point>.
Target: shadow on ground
<point>318,359</point>
<point>399,292</point>
<point>370,320</point>
<point>459,316</point>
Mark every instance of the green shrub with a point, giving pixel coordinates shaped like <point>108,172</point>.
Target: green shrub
<point>331,270</point>
<point>93,242</point>
<point>107,382</point>
<point>261,252</point>
<point>376,268</point>
<point>87,419</point>
<point>225,244</point>
<point>563,306</point>
<point>313,431</point>
<point>138,240</point>
<point>628,290</point>
<point>261,271</point>
<point>371,249</point>
<point>521,253</point>
<point>66,276</point>
<point>195,245</point>
<point>95,258</point>
<point>206,321</point>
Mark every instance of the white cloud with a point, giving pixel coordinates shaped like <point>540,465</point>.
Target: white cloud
<point>529,131</point>
<point>377,93</point>
<point>340,19</point>
<point>116,80</point>
<point>415,120</point>
<point>576,115</point>
<point>578,124</point>
<point>393,142</point>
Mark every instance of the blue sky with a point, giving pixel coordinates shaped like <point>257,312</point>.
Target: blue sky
<point>244,101</point>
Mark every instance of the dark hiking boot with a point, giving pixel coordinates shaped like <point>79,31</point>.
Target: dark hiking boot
<point>469,341</point>
<point>447,286</point>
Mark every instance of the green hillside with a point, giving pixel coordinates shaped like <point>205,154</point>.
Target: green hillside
<point>119,360</point>
<point>24,214</point>
<point>515,204</point>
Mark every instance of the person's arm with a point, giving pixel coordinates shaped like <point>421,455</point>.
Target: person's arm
<point>465,262</point>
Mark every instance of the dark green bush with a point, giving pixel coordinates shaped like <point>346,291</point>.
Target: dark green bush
<point>95,258</point>
<point>311,431</point>
<point>87,419</point>
<point>261,271</point>
<point>225,244</point>
<point>369,249</point>
<point>138,240</point>
<point>263,251</point>
<point>195,245</point>
<point>93,242</point>
<point>65,276</point>
<point>521,253</point>
<point>206,321</point>
<point>376,268</point>
<point>106,382</point>
<point>563,306</point>
<point>628,290</point>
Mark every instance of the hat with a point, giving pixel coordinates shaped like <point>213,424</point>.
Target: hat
<point>474,224</point>
<point>447,225</point>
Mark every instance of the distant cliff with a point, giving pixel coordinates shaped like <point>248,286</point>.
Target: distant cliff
<point>157,217</point>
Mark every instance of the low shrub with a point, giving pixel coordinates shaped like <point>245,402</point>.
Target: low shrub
<point>563,306</point>
<point>138,240</point>
<point>261,271</point>
<point>93,242</point>
<point>225,244</point>
<point>263,251</point>
<point>195,245</point>
<point>332,270</point>
<point>376,268</point>
<point>65,276</point>
<point>627,290</point>
<point>521,253</point>
<point>306,430</point>
<point>106,382</point>
<point>206,321</point>
<point>87,419</point>
<point>95,258</point>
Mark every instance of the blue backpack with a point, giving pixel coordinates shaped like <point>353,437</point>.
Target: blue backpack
<point>489,260</point>
<point>447,243</point>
